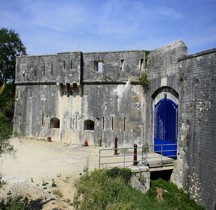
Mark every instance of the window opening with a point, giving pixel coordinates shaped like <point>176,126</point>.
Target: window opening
<point>52,68</point>
<point>64,65</point>
<point>141,63</point>
<point>43,69</point>
<point>54,123</point>
<point>124,123</point>
<point>42,121</point>
<point>122,64</point>
<point>88,125</point>
<point>98,66</point>
<point>112,123</point>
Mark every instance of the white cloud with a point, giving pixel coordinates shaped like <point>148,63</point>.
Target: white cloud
<point>50,26</point>
<point>61,17</point>
<point>169,12</point>
<point>122,19</point>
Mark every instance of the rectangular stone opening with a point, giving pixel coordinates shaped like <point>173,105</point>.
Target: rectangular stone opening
<point>64,64</point>
<point>51,68</point>
<point>43,69</point>
<point>42,120</point>
<point>98,66</point>
<point>112,123</point>
<point>122,64</point>
<point>141,64</point>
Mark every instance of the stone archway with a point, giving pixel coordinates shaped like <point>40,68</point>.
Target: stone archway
<point>165,123</point>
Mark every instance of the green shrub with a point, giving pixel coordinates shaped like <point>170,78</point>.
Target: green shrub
<point>109,190</point>
<point>123,173</point>
<point>143,80</point>
<point>174,198</point>
<point>18,203</point>
<point>53,183</point>
<point>6,116</point>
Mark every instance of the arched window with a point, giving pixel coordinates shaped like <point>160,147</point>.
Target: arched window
<point>54,123</point>
<point>88,125</point>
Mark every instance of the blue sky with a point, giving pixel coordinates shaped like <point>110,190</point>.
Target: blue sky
<point>52,26</point>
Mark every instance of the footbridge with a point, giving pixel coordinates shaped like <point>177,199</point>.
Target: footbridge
<point>155,160</point>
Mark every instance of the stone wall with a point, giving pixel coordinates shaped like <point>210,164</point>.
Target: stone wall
<point>109,98</point>
<point>197,79</point>
<point>77,96</point>
<point>162,69</point>
<point>77,89</point>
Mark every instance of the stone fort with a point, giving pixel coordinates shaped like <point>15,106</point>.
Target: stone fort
<point>76,96</point>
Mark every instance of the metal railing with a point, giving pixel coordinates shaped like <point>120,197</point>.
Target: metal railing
<point>150,155</point>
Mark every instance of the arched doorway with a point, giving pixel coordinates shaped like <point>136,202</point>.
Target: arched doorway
<point>54,123</point>
<point>166,127</point>
<point>88,125</point>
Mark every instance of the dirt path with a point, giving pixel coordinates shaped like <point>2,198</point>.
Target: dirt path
<point>39,165</point>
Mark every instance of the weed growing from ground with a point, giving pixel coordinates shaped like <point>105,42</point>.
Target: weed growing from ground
<point>53,183</point>
<point>58,193</point>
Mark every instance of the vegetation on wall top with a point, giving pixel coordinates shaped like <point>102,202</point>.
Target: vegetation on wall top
<point>143,80</point>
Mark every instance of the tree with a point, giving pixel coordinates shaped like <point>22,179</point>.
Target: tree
<point>10,47</point>
<point>6,116</point>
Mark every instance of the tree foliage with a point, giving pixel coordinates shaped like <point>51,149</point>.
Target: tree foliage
<point>10,47</point>
<point>6,116</point>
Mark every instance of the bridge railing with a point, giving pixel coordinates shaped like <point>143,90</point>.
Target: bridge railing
<point>149,155</point>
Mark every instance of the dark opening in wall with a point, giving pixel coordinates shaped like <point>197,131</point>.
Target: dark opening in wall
<point>54,123</point>
<point>69,90</point>
<point>98,66</point>
<point>141,63</point>
<point>165,174</point>
<point>51,68</point>
<point>61,87</point>
<point>124,123</point>
<point>88,125</point>
<point>64,64</point>
<point>42,119</point>
<point>122,64</point>
<point>43,69</point>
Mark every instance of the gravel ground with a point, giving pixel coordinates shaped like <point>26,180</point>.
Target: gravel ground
<point>37,164</point>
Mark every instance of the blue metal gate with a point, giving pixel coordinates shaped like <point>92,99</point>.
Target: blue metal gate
<point>166,127</point>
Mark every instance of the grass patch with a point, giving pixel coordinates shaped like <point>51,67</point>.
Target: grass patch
<point>109,189</point>
<point>58,193</point>
<point>174,198</point>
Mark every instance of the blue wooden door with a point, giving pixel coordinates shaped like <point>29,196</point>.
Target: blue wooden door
<point>166,127</point>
